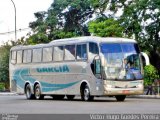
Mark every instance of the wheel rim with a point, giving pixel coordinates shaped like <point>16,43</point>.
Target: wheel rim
<point>28,92</point>
<point>37,93</point>
<point>86,94</point>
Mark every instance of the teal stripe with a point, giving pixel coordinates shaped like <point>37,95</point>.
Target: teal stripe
<point>23,75</point>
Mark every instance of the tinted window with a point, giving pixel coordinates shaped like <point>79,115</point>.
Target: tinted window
<point>58,53</point>
<point>13,57</point>
<point>47,54</point>
<point>81,51</point>
<point>93,48</point>
<point>113,53</point>
<point>19,56</point>
<point>130,47</point>
<point>111,48</point>
<point>70,52</point>
<point>37,55</point>
<point>27,54</point>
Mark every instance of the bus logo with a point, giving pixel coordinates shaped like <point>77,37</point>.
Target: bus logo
<point>62,69</point>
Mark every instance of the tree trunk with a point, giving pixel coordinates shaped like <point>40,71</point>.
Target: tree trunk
<point>155,60</point>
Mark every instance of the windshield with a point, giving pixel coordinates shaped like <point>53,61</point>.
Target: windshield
<point>121,61</point>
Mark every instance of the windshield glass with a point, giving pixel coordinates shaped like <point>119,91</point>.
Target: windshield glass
<point>121,61</point>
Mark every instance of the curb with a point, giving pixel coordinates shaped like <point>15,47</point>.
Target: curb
<point>145,96</point>
<point>7,93</point>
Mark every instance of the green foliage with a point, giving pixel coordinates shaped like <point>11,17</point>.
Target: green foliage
<point>150,74</point>
<point>4,60</point>
<point>61,34</point>
<point>106,28</point>
<point>65,18</point>
<point>4,64</point>
<point>100,7</point>
<point>2,86</point>
<point>37,38</point>
<point>141,19</point>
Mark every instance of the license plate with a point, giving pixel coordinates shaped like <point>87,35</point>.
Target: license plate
<point>125,91</point>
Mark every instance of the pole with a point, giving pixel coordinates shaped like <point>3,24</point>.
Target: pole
<point>158,88</point>
<point>15,20</point>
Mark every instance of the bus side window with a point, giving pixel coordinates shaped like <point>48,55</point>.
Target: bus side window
<point>69,52</point>
<point>93,48</point>
<point>93,51</point>
<point>27,54</point>
<point>47,54</point>
<point>58,53</point>
<point>81,52</point>
<point>13,57</point>
<point>37,55</point>
<point>19,56</point>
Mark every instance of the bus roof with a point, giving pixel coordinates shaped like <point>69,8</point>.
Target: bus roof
<point>77,40</point>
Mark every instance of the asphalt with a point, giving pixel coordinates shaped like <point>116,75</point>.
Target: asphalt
<point>130,96</point>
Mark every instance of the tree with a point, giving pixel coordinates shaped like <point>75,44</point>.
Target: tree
<point>150,74</point>
<point>4,64</point>
<point>106,28</point>
<point>65,18</point>
<point>141,19</point>
<point>4,60</point>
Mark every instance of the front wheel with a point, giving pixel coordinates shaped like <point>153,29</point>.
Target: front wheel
<point>120,97</point>
<point>85,94</point>
<point>37,92</point>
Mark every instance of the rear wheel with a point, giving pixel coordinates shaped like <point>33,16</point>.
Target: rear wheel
<point>28,92</point>
<point>37,92</point>
<point>70,97</point>
<point>85,94</point>
<point>120,97</point>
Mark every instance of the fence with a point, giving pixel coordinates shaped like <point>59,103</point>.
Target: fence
<point>153,89</point>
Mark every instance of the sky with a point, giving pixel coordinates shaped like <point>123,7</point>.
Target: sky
<point>25,10</point>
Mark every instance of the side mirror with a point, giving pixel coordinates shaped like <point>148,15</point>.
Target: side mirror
<point>146,58</point>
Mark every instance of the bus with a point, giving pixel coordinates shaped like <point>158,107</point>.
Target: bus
<point>87,66</point>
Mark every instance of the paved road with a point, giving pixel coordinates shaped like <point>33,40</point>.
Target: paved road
<point>18,104</point>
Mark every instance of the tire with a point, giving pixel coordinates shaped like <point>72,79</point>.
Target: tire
<point>58,97</point>
<point>85,94</point>
<point>28,92</point>
<point>37,92</point>
<point>70,97</point>
<point>120,97</point>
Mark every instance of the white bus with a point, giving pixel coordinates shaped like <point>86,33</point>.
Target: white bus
<point>86,66</point>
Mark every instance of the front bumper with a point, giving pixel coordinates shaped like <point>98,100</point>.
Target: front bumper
<point>123,87</point>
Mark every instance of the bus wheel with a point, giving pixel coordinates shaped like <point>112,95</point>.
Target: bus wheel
<point>120,97</point>
<point>58,97</point>
<point>37,92</point>
<point>85,95</point>
<point>28,92</point>
<point>70,97</point>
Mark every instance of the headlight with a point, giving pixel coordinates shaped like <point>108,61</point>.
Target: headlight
<point>140,86</point>
<point>109,86</point>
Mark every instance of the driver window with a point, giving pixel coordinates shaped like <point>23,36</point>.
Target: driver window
<point>93,51</point>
